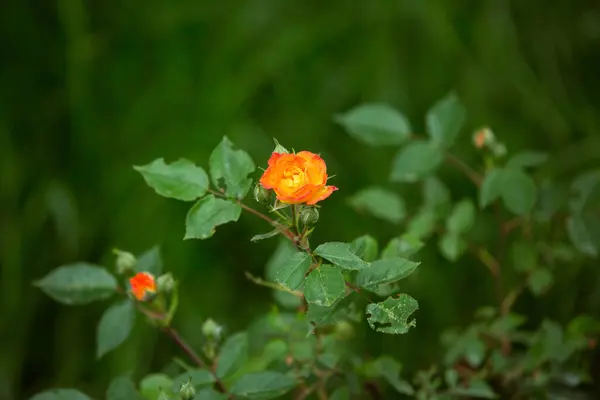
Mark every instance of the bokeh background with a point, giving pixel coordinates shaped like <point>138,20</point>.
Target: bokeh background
<point>90,88</point>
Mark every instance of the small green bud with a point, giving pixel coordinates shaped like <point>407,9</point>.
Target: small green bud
<point>279,148</point>
<point>499,150</point>
<point>309,216</point>
<point>165,283</point>
<point>262,195</point>
<point>211,330</point>
<point>187,391</point>
<point>125,261</point>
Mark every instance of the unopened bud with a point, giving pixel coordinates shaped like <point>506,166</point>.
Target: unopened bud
<point>165,283</point>
<point>125,261</point>
<point>279,148</point>
<point>309,216</point>
<point>484,137</point>
<point>212,330</point>
<point>262,195</point>
<point>187,391</point>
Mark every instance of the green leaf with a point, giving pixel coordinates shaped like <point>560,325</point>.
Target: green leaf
<point>451,377</point>
<point>380,203</point>
<point>539,281</point>
<point>341,393</point>
<point>341,255</point>
<point>385,271</point>
<point>467,345</point>
<point>122,388</point>
<point>199,377</point>
<point>388,368</point>
<point>114,327</point>
<point>476,389</point>
<point>233,355</point>
<point>151,385</point>
<point>230,168</point>
<point>524,256</point>
<point>181,180</point>
<point>375,124</point>
<point>436,196</point>
<point>403,247</point>
<point>264,236</point>
<point>324,285</point>
<point>291,273</point>
<point>208,213</point>
<point>491,187</point>
<point>452,246</point>
<point>78,283</point>
<point>150,261</point>
<point>584,234</point>
<point>462,218</point>
<point>60,394</point>
<point>210,394</point>
<point>391,315</point>
<point>445,119</point>
<point>529,158</point>
<point>338,312</point>
<point>415,161</point>
<point>422,224</point>
<point>263,385</point>
<point>365,247</point>
<point>519,192</point>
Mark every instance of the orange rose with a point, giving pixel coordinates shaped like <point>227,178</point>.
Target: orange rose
<point>142,283</point>
<point>297,178</point>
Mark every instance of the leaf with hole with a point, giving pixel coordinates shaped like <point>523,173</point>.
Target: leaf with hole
<point>391,315</point>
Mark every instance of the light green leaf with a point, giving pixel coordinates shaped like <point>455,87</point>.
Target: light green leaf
<point>415,161</point>
<point>403,246</point>
<point>422,224</point>
<point>338,312</point>
<point>291,273</point>
<point>445,119</point>
<point>365,247</point>
<point>385,271</point>
<point>181,180</point>
<point>451,377</point>
<point>476,389</point>
<point>375,124</point>
<point>150,261</point>
<point>60,394</point>
<point>452,246</point>
<point>122,388</point>
<point>391,315</point>
<point>518,191</point>
<point>199,377</point>
<point>584,234</point>
<point>524,256</point>
<point>208,213</point>
<point>210,394</point>
<point>539,281</point>
<point>114,327</point>
<point>78,283</point>
<point>436,196</point>
<point>380,203</point>
<point>462,217</point>
<point>230,168</point>
<point>152,385</point>
<point>491,187</point>
<point>529,158</point>
<point>324,285</point>
<point>263,385</point>
<point>233,355</point>
<point>264,236</point>
<point>341,255</point>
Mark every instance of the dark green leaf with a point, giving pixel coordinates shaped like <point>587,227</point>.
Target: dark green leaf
<point>210,394</point>
<point>122,388</point>
<point>445,119</point>
<point>415,161</point>
<point>491,187</point>
<point>77,284</point>
<point>324,285</point>
<point>375,124</point>
<point>476,389</point>
<point>524,159</point>
<point>389,369</point>
<point>230,168</point>
<point>422,224</point>
<point>181,180</point>
<point>60,394</point>
<point>233,355</point>
<point>452,246</point>
<point>524,256</point>
<point>462,218</point>
<point>342,393</point>
<point>391,315</point>
<point>290,274</point>
<point>199,377</point>
<point>150,261</point>
<point>365,247</point>
<point>518,192</point>
<point>208,213</point>
<point>539,281</point>
<point>341,255</point>
<point>338,312</point>
<point>385,271</point>
<point>403,247</point>
<point>152,385</point>
<point>263,385</point>
<point>584,234</point>
<point>114,327</point>
<point>380,203</point>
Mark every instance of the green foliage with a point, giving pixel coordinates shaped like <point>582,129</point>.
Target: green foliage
<point>517,190</point>
<point>207,214</point>
<point>263,385</point>
<point>385,271</point>
<point>341,255</point>
<point>380,203</point>
<point>292,272</point>
<point>324,285</point>
<point>391,315</point>
<point>445,120</point>
<point>150,261</point>
<point>415,161</point>
<point>376,124</point>
<point>365,247</point>
<point>234,354</point>
<point>229,168</point>
<point>152,385</point>
<point>114,327</point>
<point>180,180</point>
<point>122,388</point>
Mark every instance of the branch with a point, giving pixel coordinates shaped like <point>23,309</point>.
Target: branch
<point>464,168</point>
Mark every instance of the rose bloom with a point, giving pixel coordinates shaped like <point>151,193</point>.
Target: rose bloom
<point>297,178</point>
<point>142,283</point>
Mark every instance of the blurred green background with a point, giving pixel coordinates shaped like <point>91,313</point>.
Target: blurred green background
<point>91,88</point>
